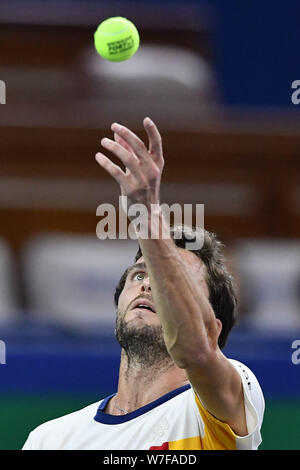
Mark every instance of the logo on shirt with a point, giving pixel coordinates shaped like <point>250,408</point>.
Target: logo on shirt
<point>159,430</point>
<point>245,373</point>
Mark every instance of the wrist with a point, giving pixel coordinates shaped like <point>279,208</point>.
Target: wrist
<point>151,223</point>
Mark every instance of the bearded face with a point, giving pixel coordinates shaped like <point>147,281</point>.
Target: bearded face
<point>142,344</point>
<point>138,328</point>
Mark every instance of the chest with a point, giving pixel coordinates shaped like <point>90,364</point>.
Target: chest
<point>154,429</point>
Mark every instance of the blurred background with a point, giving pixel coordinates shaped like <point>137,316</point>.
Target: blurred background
<point>216,78</point>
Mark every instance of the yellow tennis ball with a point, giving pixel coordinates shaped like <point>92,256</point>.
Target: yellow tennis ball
<point>116,39</point>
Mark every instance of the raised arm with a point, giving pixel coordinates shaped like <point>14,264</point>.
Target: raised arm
<point>178,284</point>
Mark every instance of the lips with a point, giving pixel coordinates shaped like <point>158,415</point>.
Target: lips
<point>143,303</point>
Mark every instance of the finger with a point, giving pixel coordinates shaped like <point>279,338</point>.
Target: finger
<point>111,168</point>
<point>155,141</point>
<point>136,144</point>
<point>126,146</point>
<point>130,161</point>
<point>123,143</point>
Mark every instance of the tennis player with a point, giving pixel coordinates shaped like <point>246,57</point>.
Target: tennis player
<point>175,309</point>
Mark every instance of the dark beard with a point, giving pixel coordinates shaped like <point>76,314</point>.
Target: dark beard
<point>144,346</point>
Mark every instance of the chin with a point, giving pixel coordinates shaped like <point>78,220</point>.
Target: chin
<point>141,321</point>
<point>141,316</point>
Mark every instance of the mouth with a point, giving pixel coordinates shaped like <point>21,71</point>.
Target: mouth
<point>143,304</point>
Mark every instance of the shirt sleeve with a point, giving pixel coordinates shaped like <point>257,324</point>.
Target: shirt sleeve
<point>254,407</point>
<point>218,435</point>
<point>29,444</point>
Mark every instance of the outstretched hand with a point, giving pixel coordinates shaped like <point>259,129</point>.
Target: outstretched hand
<point>140,182</point>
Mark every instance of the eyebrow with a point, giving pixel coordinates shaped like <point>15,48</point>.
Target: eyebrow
<point>137,266</point>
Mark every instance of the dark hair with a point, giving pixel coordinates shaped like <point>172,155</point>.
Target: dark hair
<point>222,295</point>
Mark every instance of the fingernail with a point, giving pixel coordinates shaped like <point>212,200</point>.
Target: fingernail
<point>115,126</point>
<point>100,157</point>
<point>149,120</point>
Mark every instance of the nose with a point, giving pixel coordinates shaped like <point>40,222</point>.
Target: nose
<point>145,287</point>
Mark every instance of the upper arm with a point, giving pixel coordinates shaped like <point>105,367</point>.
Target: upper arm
<point>220,389</point>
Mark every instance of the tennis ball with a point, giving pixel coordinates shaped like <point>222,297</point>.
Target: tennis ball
<point>116,39</point>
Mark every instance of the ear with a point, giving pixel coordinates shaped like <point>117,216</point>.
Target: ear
<point>219,326</point>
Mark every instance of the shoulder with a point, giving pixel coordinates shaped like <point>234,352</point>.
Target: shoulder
<point>254,399</point>
<point>250,382</point>
<point>254,410</point>
<point>61,427</point>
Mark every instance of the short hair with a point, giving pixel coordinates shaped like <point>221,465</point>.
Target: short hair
<point>222,294</point>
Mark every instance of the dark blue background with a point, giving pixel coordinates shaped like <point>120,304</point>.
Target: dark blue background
<point>50,361</point>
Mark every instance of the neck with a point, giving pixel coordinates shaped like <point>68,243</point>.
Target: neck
<point>139,385</point>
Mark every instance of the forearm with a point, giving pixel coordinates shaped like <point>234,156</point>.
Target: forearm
<point>181,299</point>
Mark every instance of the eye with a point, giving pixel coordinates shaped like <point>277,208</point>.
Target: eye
<point>140,276</point>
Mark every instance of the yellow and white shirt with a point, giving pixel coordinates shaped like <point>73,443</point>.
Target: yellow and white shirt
<point>175,421</point>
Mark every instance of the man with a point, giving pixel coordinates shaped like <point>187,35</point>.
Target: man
<point>175,308</point>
